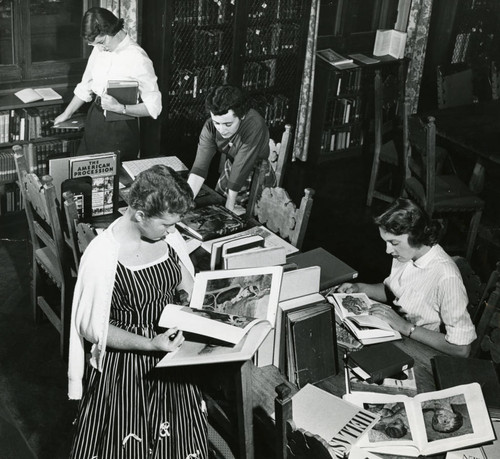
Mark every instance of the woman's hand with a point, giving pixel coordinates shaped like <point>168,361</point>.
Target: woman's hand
<point>109,103</point>
<point>169,341</point>
<point>387,314</point>
<point>62,117</point>
<point>348,288</point>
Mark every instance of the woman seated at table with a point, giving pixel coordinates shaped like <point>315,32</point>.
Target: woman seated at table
<point>241,134</point>
<point>127,275</point>
<point>429,300</point>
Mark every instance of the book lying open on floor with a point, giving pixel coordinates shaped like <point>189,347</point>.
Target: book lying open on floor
<point>28,95</point>
<point>224,309</point>
<point>429,423</point>
<point>352,309</point>
<point>210,222</point>
<point>341,423</point>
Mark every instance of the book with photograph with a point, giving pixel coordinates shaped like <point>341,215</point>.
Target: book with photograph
<point>429,423</point>
<point>402,383</point>
<point>210,222</point>
<point>352,310</point>
<point>225,308</point>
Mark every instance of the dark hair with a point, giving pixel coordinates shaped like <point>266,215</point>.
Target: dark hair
<point>223,98</point>
<point>403,216</point>
<point>396,430</point>
<point>99,21</point>
<point>160,189</point>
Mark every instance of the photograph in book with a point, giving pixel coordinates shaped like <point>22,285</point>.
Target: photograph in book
<point>429,423</point>
<point>251,292</point>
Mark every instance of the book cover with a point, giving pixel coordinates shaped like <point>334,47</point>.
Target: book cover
<point>378,361</point>
<point>403,383</point>
<point>332,57</point>
<point>333,270</point>
<point>314,344</point>
<point>450,370</point>
<point>429,423</point>
<point>76,122</point>
<point>352,310</point>
<point>233,244</point>
<point>210,221</point>
<point>341,423</point>
<point>124,91</point>
<point>254,258</point>
<point>390,42</point>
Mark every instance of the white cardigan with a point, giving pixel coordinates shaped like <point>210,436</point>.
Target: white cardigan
<point>92,301</point>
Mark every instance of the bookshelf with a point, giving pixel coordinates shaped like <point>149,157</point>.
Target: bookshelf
<point>29,125</point>
<point>197,44</point>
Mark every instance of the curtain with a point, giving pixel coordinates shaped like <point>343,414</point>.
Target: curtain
<point>416,44</point>
<point>301,140</point>
<point>126,9</point>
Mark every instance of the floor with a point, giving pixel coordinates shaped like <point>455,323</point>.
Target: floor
<point>35,415</point>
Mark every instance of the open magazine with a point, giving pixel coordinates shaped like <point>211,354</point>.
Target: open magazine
<point>353,310</point>
<point>226,306</point>
<point>429,423</point>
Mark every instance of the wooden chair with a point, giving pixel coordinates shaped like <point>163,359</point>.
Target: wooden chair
<point>277,212</point>
<point>293,442</point>
<point>454,86</point>
<point>439,195</point>
<point>52,284</point>
<point>278,156</point>
<point>473,285</point>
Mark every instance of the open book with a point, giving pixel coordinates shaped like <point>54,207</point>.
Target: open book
<point>28,95</point>
<point>136,166</point>
<point>391,42</point>
<point>429,423</point>
<point>352,309</point>
<point>230,314</point>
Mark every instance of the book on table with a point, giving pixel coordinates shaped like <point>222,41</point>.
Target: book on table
<point>76,123</point>
<point>451,370</point>
<point>402,383</point>
<point>136,166</point>
<point>352,310</point>
<point>345,339</point>
<point>332,57</point>
<point>230,314</point>
<point>29,95</point>
<point>429,423</point>
<point>341,423</point>
<point>378,361</point>
<point>390,42</point>
<point>232,245</point>
<point>126,92</point>
<point>210,222</point>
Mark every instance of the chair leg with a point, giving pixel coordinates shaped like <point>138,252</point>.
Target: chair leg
<point>473,230</point>
<point>35,283</point>
<point>373,179</point>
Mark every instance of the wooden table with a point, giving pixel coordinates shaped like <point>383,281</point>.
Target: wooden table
<point>473,128</point>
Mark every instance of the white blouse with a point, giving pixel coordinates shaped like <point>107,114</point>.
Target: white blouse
<point>430,291</point>
<point>127,62</point>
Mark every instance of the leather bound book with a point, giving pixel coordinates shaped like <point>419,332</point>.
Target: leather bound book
<point>452,371</point>
<point>125,92</point>
<point>379,361</point>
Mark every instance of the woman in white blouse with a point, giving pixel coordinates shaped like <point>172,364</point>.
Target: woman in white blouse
<point>427,295</point>
<point>115,57</point>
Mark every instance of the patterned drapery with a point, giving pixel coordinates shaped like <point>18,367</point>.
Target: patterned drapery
<point>301,141</point>
<point>416,45</point>
<point>126,9</point>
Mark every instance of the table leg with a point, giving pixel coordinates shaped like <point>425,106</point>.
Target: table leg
<point>244,410</point>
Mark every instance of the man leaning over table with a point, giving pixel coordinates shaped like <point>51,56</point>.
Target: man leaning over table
<point>429,300</point>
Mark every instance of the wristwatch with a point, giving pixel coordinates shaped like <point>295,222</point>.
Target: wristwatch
<point>124,111</point>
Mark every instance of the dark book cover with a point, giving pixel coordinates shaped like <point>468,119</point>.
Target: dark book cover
<point>452,371</point>
<point>333,270</point>
<point>380,361</point>
<point>125,92</point>
<point>210,222</point>
<point>314,344</point>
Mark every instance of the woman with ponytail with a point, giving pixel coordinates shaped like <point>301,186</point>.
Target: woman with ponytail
<point>427,297</point>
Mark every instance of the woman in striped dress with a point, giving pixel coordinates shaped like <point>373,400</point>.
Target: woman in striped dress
<point>129,409</point>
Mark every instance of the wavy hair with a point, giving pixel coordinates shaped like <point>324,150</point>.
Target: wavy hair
<point>99,21</point>
<point>223,98</point>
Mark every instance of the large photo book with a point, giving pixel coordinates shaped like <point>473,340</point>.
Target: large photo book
<point>230,314</point>
<point>353,310</point>
<point>429,423</point>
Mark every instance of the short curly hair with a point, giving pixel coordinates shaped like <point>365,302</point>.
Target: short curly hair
<point>99,21</point>
<point>404,216</point>
<point>160,189</point>
<point>223,98</point>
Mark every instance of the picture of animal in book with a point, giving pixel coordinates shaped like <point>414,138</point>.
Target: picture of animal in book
<point>354,304</point>
<point>240,296</point>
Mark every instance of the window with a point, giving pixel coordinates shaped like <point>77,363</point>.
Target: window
<point>40,40</point>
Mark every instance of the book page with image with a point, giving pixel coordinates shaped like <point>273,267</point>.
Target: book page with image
<point>429,423</point>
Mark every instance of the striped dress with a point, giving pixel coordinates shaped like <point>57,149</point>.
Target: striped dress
<point>131,410</point>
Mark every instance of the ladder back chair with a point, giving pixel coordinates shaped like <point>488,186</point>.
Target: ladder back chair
<point>52,283</point>
<point>293,442</point>
<point>279,152</point>
<point>279,213</point>
<point>439,195</point>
